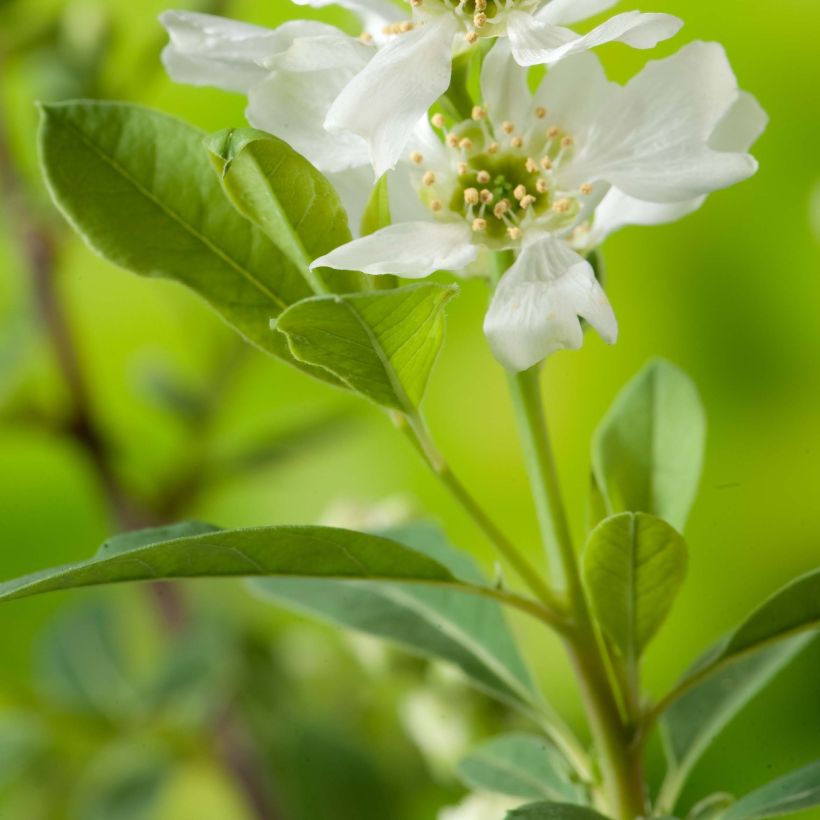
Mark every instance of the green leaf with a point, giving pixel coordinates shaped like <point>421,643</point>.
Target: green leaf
<point>375,217</point>
<point>464,630</point>
<point>734,671</point>
<point>553,811</point>
<point>633,566</point>
<point>381,344</point>
<point>786,795</point>
<point>693,721</point>
<point>521,765</point>
<point>647,453</point>
<point>290,200</point>
<point>294,551</point>
<point>138,186</point>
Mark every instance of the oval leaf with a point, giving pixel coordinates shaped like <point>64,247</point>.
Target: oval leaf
<point>521,765</point>
<point>294,551</point>
<point>647,453</point>
<point>138,186</point>
<point>291,201</point>
<point>464,630</point>
<point>553,811</point>
<point>633,566</point>
<point>786,795</point>
<point>381,344</point>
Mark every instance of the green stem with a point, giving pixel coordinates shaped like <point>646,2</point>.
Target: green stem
<point>621,760</point>
<point>415,430</point>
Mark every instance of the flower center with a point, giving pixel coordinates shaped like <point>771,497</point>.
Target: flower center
<point>502,179</point>
<point>479,17</point>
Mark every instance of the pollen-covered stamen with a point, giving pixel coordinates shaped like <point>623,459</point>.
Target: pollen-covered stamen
<point>479,18</point>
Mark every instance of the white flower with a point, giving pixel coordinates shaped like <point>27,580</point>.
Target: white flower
<point>291,76</point>
<point>531,173</point>
<point>384,101</point>
<point>480,807</point>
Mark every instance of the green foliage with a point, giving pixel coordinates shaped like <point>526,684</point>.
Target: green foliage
<point>553,811</point>
<point>647,453</point>
<point>300,551</point>
<point>633,566</point>
<point>279,191</point>
<point>375,217</point>
<point>521,765</point>
<point>786,795</point>
<point>381,344</point>
<point>693,721</point>
<point>138,186</point>
<point>465,630</point>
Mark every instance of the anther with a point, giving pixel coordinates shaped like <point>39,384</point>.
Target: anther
<point>507,127</point>
<point>486,196</point>
<point>452,140</point>
<point>561,206</point>
<point>540,112</point>
<point>493,147</point>
<point>466,144</point>
<point>480,5</point>
<point>429,179</point>
<point>366,37</point>
<point>479,224</point>
<point>517,142</point>
<point>567,142</point>
<point>514,232</point>
<point>527,200</point>
<point>546,163</point>
<point>480,19</point>
<point>471,37</point>
<point>531,165</point>
<point>482,177</point>
<point>586,189</point>
<point>520,192</point>
<point>553,131</point>
<point>463,169</point>
<point>478,113</point>
<point>501,208</point>
<point>416,157</point>
<point>471,196</point>
<point>438,120</point>
<point>436,205</point>
<point>542,186</point>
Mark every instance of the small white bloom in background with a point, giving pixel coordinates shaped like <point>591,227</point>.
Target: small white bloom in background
<point>480,807</point>
<point>531,172</point>
<point>379,515</point>
<point>385,100</point>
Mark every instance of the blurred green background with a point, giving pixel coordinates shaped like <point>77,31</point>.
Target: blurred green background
<point>100,693</point>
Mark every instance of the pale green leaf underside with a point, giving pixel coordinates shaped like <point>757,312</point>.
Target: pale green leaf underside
<point>283,194</point>
<point>633,566</point>
<point>647,453</point>
<point>789,794</point>
<point>521,765</point>
<point>291,551</point>
<point>464,630</point>
<point>553,811</point>
<point>382,344</point>
<point>138,186</point>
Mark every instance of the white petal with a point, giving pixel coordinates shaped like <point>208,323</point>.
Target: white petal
<point>652,137</point>
<point>574,91</point>
<point>737,131</point>
<point>504,88</point>
<point>743,123</point>
<point>411,249</point>
<point>535,309</point>
<point>209,50</point>
<point>544,43</point>
<point>353,187</point>
<point>567,12</point>
<point>384,102</point>
<point>294,98</point>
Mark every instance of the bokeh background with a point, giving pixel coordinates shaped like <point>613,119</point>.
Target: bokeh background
<point>157,703</point>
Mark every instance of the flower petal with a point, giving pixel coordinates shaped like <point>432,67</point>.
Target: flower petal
<point>504,88</point>
<point>384,102</point>
<point>536,306</point>
<point>373,13</point>
<point>567,12</point>
<point>655,141</point>
<point>410,249</point>
<point>209,50</point>
<point>538,42</point>
<point>737,131</point>
<point>294,98</point>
